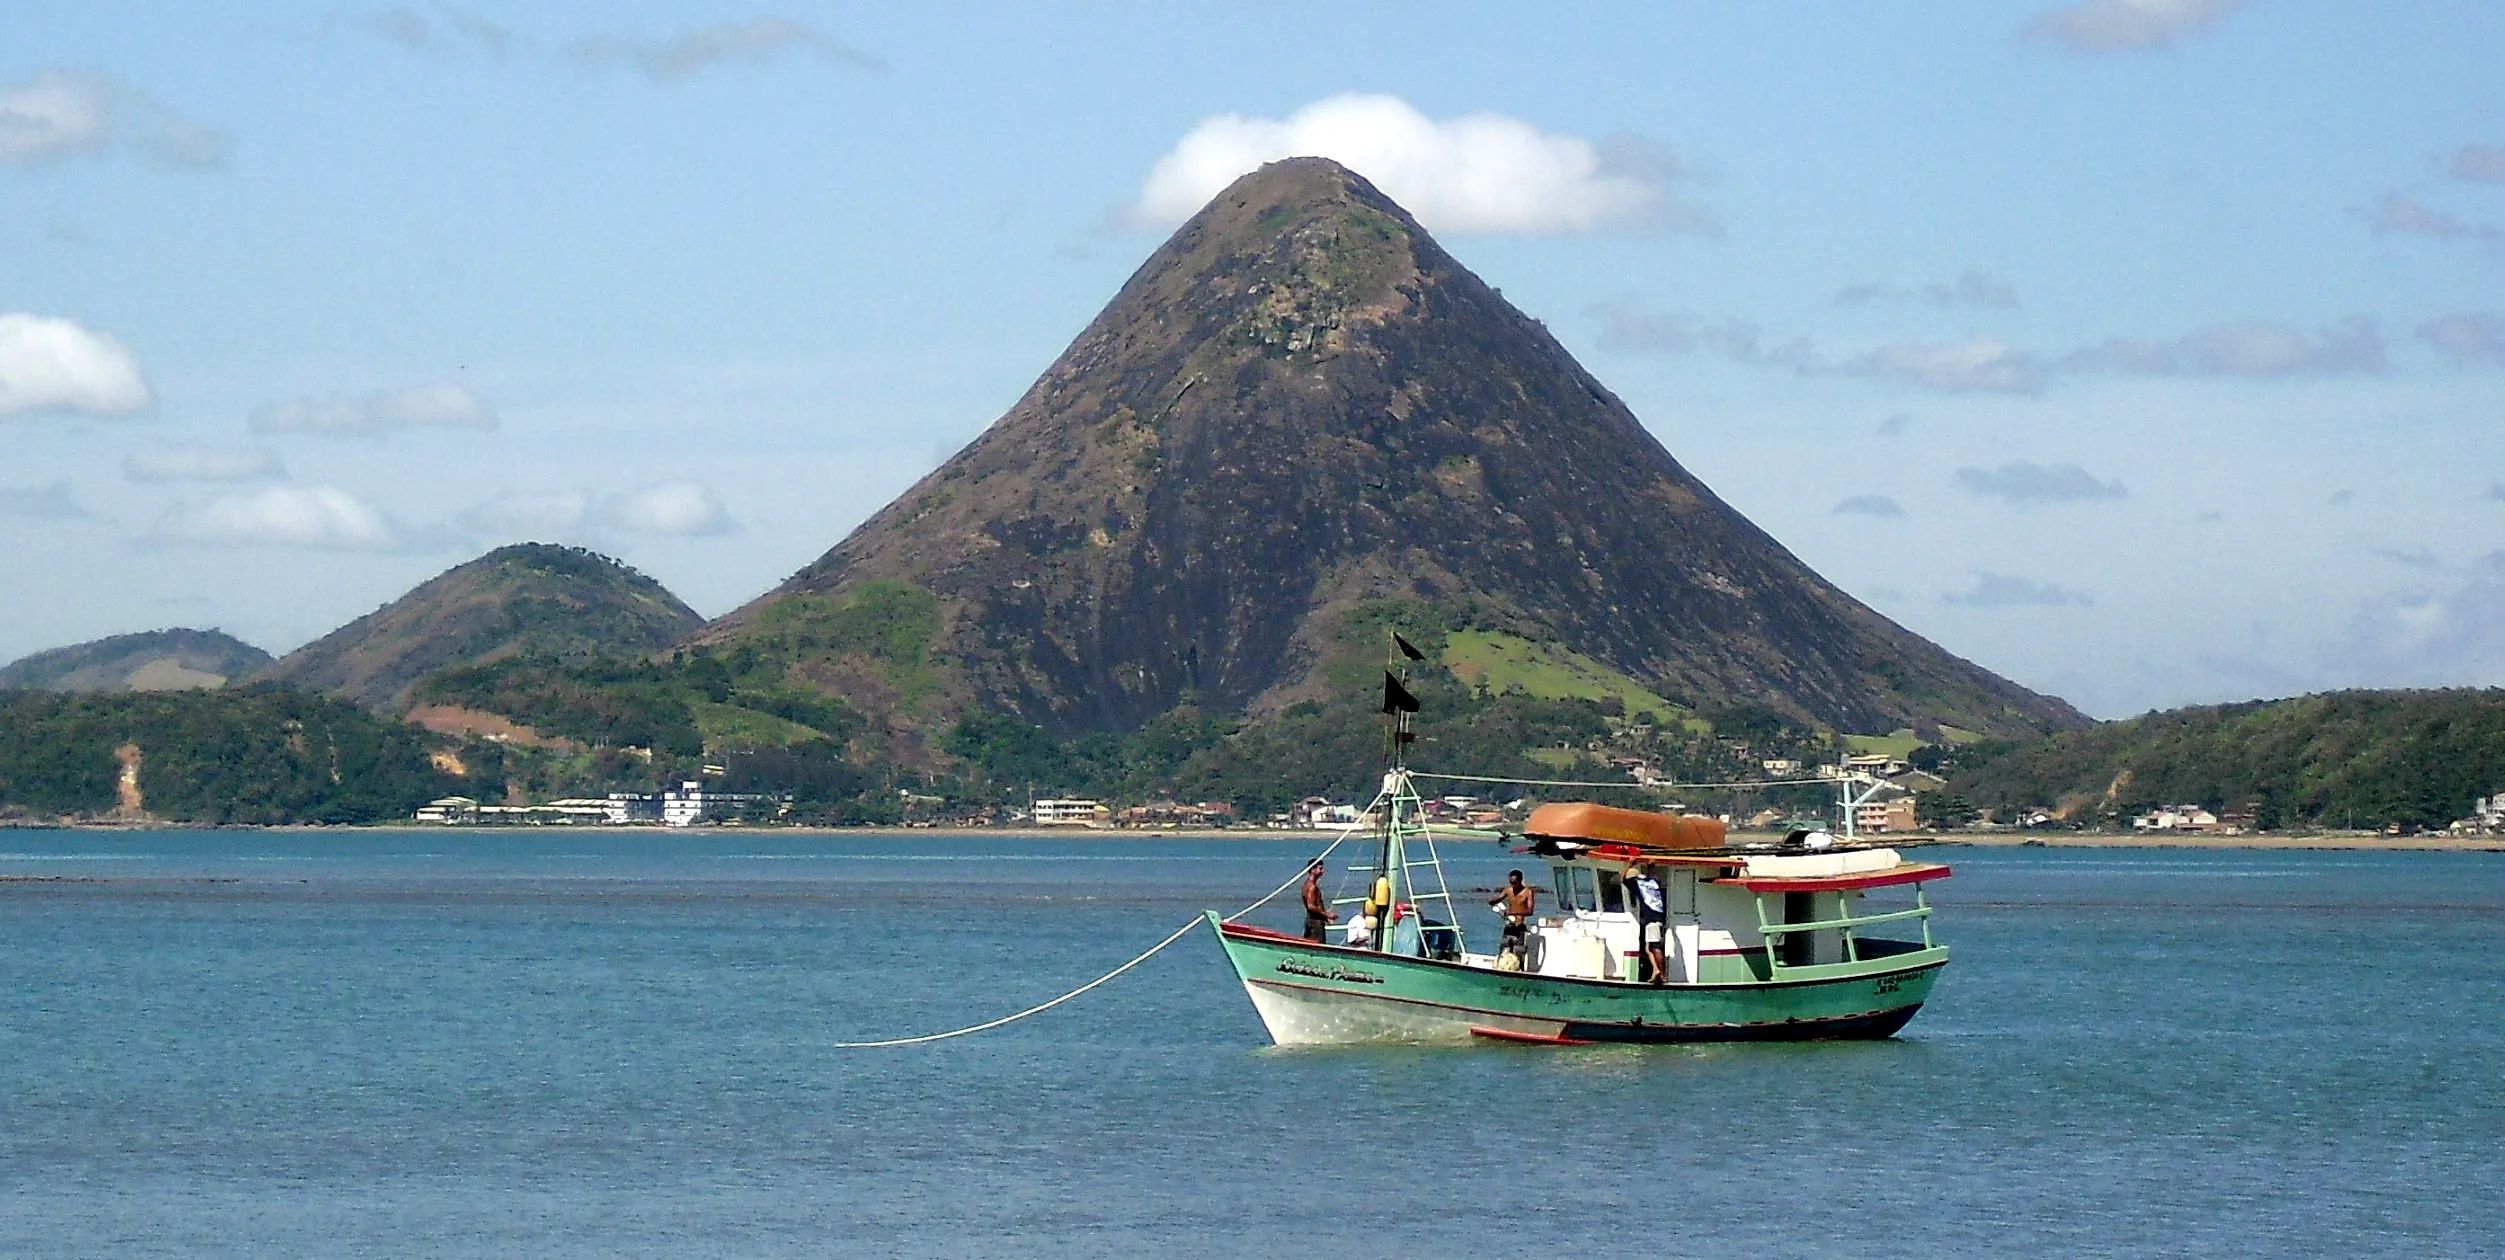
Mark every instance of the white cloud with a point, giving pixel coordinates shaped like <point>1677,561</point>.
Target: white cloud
<point>2484,163</point>
<point>682,508</point>
<point>671,58</point>
<point>536,513</point>
<point>1871,505</point>
<point>410,29</point>
<point>52,502</point>
<point>2098,26</point>
<point>670,507</point>
<point>284,516</point>
<point>2025,484</point>
<point>55,365</point>
<point>2468,337</point>
<point>1476,173</point>
<point>441,405</point>
<point>2403,216</point>
<point>1970,288</point>
<point>64,113</point>
<point>1627,328</point>
<point>2430,637</point>
<point>1977,364</point>
<point>2253,348</point>
<point>2000,590</point>
<point>201,463</point>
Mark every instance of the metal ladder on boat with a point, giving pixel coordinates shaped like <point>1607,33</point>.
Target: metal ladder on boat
<point>1406,808</point>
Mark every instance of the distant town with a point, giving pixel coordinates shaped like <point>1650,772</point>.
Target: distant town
<point>1885,804</point>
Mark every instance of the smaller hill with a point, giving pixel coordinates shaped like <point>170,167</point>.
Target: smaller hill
<point>254,755</point>
<point>530,599</point>
<point>2409,759</point>
<point>154,660</point>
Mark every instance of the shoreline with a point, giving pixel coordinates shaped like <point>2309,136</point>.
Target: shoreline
<point>2319,840</point>
<point>2353,841</point>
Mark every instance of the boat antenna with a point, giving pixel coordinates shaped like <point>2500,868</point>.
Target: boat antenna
<point>1400,706</point>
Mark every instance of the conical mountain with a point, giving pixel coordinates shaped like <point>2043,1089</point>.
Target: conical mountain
<point>526,599</point>
<point>1298,413</point>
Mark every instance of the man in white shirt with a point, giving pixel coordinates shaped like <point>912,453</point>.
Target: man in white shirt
<point>1360,929</point>
<point>1652,915</point>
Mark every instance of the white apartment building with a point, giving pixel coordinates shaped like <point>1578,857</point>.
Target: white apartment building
<point>1071,812</point>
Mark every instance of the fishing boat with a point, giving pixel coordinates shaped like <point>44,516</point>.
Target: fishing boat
<point>1778,942</point>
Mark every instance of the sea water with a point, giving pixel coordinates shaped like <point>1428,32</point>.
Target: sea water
<point>543,1043</point>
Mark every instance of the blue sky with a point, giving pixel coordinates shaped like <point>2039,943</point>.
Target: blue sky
<point>2147,352</point>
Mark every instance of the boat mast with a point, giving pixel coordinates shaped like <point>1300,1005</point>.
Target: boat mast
<point>1392,860</point>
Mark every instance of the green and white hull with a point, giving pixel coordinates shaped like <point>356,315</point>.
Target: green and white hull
<point>1319,994</point>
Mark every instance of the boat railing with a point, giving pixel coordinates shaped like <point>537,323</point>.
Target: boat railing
<point>1775,932</point>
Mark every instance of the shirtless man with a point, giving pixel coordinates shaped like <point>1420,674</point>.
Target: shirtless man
<point>1517,902</point>
<point>1317,908</point>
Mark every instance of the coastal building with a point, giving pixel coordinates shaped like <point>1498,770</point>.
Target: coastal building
<point>2176,818</point>
<point>462,811</point>
<point>1334,816</point>
<point>628,808</point>
<point>1072,812</point>
<point>2487,815</point>
<point>1889,815</point>
<point>1179,814</point>
<point>691,802</point>
<point>449,810</point>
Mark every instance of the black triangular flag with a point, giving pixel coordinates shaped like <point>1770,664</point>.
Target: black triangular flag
<point>1407,649</point>
<point>1396,698</point>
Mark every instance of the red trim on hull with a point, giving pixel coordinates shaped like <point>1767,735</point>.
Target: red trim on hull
<point>1535,1039</point>
<point>1263,933</point>
<point>1404,960</point>
<point>1838,883</point>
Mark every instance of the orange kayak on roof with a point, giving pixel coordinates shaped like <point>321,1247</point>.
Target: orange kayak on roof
<point>1607,824</point>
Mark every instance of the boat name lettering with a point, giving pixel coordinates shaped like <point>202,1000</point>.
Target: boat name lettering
<point>1886,984</point>
<point>1295,968</point>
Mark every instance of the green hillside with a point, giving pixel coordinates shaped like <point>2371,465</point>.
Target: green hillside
<point>1503,662</point>
<point>154,660</point>
<point>255,754</point>
<point>523,600</point>
<point>2410,759</point>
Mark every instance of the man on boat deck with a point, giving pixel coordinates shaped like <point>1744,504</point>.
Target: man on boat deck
<point>1317,909</point>
<point>1517,902</point>
<point>1652,911</point>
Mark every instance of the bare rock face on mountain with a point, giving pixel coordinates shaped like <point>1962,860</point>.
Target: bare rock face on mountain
<point>1301,407</point>
<point>155,660</point>
<point>530,598</point>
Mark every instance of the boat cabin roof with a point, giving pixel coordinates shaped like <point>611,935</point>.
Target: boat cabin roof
<point>1824,870</point>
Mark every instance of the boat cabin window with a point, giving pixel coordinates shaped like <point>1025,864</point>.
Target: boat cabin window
<point>1612,901</point>
<point>1583,899</point>
<point>1565,888</point>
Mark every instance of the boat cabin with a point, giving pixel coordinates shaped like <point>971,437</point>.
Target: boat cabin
<point>1733,916</point>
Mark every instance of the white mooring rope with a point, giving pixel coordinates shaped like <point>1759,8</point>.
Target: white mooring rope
<point>1042,1007</point>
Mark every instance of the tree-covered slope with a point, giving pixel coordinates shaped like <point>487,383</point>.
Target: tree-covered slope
<point>155,660</point>
<point>523,600</point>
<point>252,754</point>
<point>2350,758</point>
